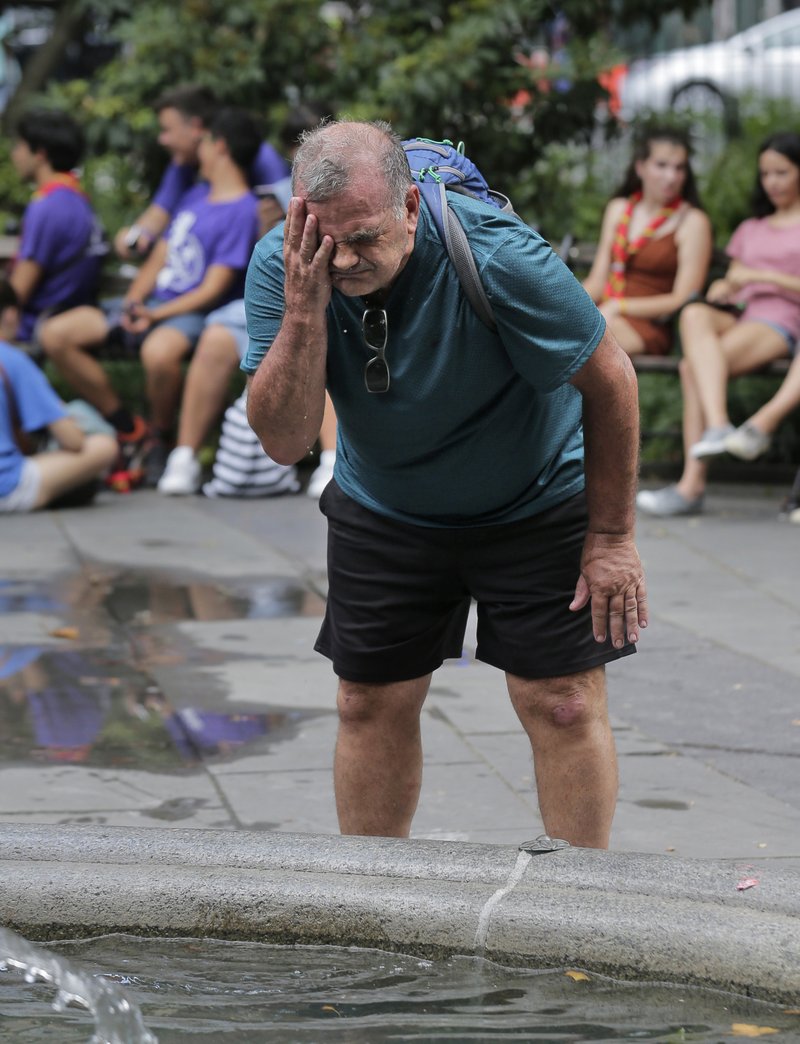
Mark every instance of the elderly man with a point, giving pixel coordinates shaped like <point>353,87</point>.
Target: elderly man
<point>459,473</point>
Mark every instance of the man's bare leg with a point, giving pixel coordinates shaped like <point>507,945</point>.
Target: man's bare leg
<point>575,762</point>
<point>378,761</point>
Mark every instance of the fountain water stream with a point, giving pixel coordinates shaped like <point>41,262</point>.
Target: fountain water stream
<point>116,1019</point>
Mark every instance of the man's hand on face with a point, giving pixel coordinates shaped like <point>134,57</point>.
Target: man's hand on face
<point>306,260</point>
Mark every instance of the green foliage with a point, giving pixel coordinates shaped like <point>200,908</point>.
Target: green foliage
<point>14,195</point>
<point>438,69</point>
<point>729,181</point>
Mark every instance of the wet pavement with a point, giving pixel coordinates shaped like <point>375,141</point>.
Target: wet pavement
<point>156,669</point>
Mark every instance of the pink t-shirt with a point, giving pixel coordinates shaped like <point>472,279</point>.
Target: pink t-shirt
<point>758,244</point>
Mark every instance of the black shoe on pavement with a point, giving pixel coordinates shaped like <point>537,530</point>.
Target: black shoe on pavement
<point>154,460</point>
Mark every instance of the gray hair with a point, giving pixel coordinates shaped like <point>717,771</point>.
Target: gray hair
<point>329,156</point>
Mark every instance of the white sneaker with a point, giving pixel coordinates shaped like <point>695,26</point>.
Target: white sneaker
<point>667,502</point>
<point>182,474</point>
<point>712,442</point>
<point>747,442</point>
<point>322,475</point>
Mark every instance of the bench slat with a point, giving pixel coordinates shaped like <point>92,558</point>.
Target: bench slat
<point>669,364</point>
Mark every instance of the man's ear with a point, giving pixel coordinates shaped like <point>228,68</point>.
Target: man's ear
<point>412,207</point>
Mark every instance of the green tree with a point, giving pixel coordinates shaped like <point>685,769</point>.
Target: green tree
<point>438,69</point>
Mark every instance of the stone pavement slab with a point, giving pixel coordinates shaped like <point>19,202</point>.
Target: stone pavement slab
<point>212,607</point>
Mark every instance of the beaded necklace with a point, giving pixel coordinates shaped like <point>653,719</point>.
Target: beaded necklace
<point>622,249</point>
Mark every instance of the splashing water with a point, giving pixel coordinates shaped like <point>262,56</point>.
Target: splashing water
<point>116,1019</point>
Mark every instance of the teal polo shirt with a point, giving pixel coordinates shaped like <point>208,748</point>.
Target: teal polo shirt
<point>478,427</point>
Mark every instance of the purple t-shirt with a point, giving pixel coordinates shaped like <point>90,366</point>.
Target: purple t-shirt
<point>759,244</point>
<point>204,233</point>
<point>269,175</point>
<point>61,233</point>
<point>37,406</point>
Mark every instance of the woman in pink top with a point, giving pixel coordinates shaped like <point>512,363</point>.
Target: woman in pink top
<point>748,318</point>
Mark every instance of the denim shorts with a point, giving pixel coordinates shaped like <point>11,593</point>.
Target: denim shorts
<point>788,336</point>
<point>232,317</point>
<point>190,324</point>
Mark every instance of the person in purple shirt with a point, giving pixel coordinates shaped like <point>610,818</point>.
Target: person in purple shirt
<point>198,265</point>
<point>62,244</point>
<point>184,113</point>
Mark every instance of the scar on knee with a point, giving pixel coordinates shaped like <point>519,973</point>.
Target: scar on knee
<point>570,711</point>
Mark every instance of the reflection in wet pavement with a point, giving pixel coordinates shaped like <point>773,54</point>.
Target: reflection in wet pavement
<point>88,692</point>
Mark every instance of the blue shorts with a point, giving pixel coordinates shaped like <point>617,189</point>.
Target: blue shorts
<point>190,324</point>
<point>788,336</point>
<point>232,317</point>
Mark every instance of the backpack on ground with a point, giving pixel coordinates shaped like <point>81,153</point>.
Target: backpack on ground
<point>439,167</point>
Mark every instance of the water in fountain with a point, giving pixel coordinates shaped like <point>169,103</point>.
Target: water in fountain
<point>116,1019</point>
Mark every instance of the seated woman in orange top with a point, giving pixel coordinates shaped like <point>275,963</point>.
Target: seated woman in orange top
<point>655,245</point>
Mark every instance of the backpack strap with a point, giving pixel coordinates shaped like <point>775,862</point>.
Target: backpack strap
<point>460,253</point>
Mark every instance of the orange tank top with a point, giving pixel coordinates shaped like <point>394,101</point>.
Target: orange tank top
<point>652,269</point>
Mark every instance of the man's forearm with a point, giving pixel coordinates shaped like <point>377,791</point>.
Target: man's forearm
<point>286,399</point>
<point>611,437</point>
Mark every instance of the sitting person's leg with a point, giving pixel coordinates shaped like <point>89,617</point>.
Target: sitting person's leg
<point>717,348</point>
<point>67,340</point>
<point>219,351</point>
<point>702,329</point>
<point>743,348</point>
<point>686,496</point>
<point>163,352</point>
<point>322,475</point>
<point>61,471</point>
<point>753,437</point>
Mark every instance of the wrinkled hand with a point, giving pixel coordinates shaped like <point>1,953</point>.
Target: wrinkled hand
<point>612,578</point>
<point>306,260</point>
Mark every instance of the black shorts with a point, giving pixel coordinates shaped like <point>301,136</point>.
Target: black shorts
<point>399,594</point>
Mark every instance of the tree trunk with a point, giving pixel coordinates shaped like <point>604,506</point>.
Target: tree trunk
<point>42,63</point>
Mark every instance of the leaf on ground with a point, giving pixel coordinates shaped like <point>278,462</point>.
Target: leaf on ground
<point>747,1029</point>
<point>330,1007</point>
<point>577,976</point>
<point>66,632</point>
<point>747,882</point>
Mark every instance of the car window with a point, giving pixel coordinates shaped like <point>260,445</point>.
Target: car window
<point>788,38</point>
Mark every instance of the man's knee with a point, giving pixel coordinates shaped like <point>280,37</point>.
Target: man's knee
<point>361,703</point>
<point>572,702</point>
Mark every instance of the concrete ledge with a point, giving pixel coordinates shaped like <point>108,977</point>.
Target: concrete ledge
<point>627,916</point>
